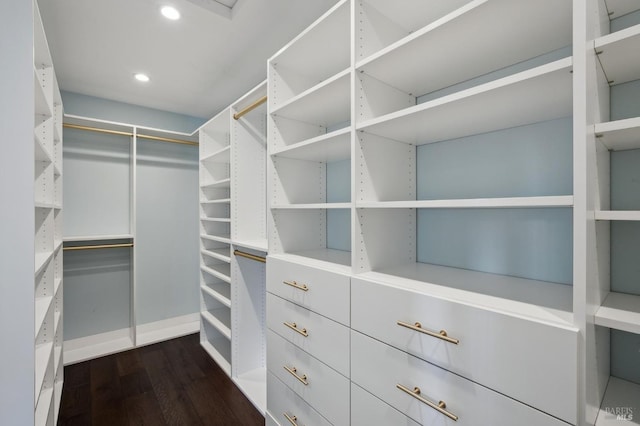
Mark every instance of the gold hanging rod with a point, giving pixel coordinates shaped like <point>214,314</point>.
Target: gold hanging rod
<point>121,133</point>
<point>100,246</point>
<point>250,108</point>
<point>171,140</point>
<point>250,256</point>
<point>96,129</point>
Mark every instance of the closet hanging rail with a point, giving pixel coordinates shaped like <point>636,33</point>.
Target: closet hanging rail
<point>250,108</point>
<point>121,133</point>
<point>99,246</point>
<point>250,256</point>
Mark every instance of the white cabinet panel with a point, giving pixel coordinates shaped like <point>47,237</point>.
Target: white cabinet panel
<point>319,385</point>
<point>380,368</point>
<point>531,361</point>
<point>283,402</point>
<point>322,291</point>
<point>325,339</point>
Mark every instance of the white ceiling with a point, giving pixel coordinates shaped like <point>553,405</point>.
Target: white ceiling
<point>198,65</point>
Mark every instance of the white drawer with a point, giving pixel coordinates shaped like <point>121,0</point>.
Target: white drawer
<point>379,368</point>
<point>530,361</point>
<point>283,402</point>
<point>323,338</point>
<point>326,390</point>
<point>324,292</point>
<point>367,410</point>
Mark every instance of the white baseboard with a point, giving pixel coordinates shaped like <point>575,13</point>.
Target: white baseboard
<point>154,332</point>
<point>97,345</point>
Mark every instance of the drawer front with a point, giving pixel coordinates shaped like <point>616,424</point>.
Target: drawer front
<point>283,402</point>
<point>367,410</point>
<point>326,293</point>
<point>530,361</point>
<point>380,368</point>
<point>326,390</point>
<point>321,337</point>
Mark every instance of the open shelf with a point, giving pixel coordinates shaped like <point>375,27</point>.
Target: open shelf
<point>219,291</point>
<point>617,8</point>
<point>222,271</point>
<point>222,183</point>
<point>336,260</point>
<point>42,306</point>
<point>259,245</point>
<point>41,153</point>
<point>41,260</point>
<point>620,394</point>
<point>221,156</point>
<point>621,312</point>
<point>83,238</point>
<point>43,408</point>
<point>332,146</point>
<point>43,355</point>
<point>484,108</point>
<point>306,60</point>
<point>214,202</point>
<point>535,300</point>
<point>619,135</point>
<point>218,238</point>
<point>311,206</point>
<point>216,219</point>
<point>220,319</point>
<point>624,215</point>
<point>507,202</point>
<point>453,56</point>
<point>325,104</point>
<point>254,386</point>
<point>220,254</point>
<point>42,104</point>
<point>614,53</point>
<point>219,349</point>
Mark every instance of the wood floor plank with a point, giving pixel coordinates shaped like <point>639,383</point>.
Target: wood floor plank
<point>107,406</point>
<point>135,383</point>
<point>182,364</point>
<point>75,401</point>
<point>128,362</point>
<point>77,374</point>
<point>144,410</point>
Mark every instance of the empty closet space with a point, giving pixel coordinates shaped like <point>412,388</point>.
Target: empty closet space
<point>130,235</point>
<point>617,206</point>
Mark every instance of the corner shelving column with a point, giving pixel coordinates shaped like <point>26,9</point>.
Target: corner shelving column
<point>249,245</point>
<point>215,239</point>
<point>48,232</point>
<point>309,132</point>
<point>614,148</point>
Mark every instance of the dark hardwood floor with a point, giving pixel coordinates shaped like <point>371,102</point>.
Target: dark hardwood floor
<point>169,383</point>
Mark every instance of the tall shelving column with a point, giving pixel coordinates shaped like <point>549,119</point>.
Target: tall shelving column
<point>249,244</point>
<point>612,83</point>
<point>215,239</point>
<point>48,232</point>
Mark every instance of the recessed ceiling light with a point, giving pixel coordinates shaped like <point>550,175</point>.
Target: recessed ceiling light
<point>141,77</point>
<point>170,12</point>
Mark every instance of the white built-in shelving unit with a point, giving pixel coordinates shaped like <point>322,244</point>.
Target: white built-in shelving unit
<point>613,148</point>
<point>48,332</point>
<point>233,235</point>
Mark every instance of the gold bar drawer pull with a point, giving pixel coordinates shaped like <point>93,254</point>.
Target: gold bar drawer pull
<point>292,419</point>
<point>295,284</point>
<point>294,327</point>
<point>439,407</point>
<point>442,334</point>
<point>294,372</point>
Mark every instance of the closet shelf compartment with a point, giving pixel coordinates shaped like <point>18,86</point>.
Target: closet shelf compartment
<point>515,202</point>
<point>621,312</point>
<point>216,219</point>
<point>220,319</point>
<point>41,153</point>
<point>253,384</point>
<point>220,254</point>
<point>213,202</point>
<point>43,355</point>
<point>311,206</point>
<point>335,260</point>
<point>41,260</point>
<point>220,292</point>
<point>327,103</point>
<point>220,156</point>
<point>224,275</point>
<point>41,307</point>
<point>42,205</point>
<point>83,238</point>
<point>624,215</point>
<point>332,146</point>
<point>620,393</point>
<point>614,51</point>
<point>213,347</point>
<point>531,299</point>
<point>617,8</point>
<point>452,56</point>
<point>42,106</point>
<point>223,183</point>
<point>547,90</point>
<point>43,406</point>
<point>259,245</point>
<point>218,238</point>
<point>619,135</point>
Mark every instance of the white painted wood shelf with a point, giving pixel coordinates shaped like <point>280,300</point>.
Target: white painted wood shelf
<point>614,215</point>
<point>335,260</point>
<point>222,238</point>
<point>219,291</point>
<point>547,89</point>
<point>216,219</point>
<point>621,312</point>
<point>220,351</point>
<point>222,183</point>
<point>85,238</point>
<point>620,395</point>
<point>614,53</point>
<point>259,244</point>
<point>475,203</point>
<point>221,156</point>
<point>619,135</point>
<point>220,271</point>
<point>332,146</point>
<point>618,8</point>
<point>220,319</point>
<point>217,201</point>
<point>452,55</point>
<point>311,206</point>
<point>220,254</point>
